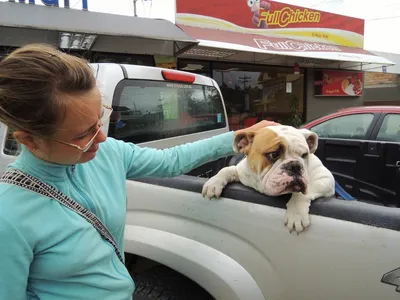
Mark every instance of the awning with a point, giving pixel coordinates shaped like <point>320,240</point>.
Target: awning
<point>21,24</point>
<point>261,49</point>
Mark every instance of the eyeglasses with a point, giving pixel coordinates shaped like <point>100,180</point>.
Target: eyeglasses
<point>107,111</point>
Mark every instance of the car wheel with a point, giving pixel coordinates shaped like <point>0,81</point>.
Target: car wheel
<point>163,283</point>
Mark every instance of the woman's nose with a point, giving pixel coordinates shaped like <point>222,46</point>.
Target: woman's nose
<point>101,137</point>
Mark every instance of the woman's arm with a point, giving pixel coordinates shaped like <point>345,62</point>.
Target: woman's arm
<point>15,258</point>
<point>178,160</point>
<point>170,162</point>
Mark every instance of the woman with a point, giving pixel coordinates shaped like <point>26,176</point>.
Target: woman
<point>47,250</point>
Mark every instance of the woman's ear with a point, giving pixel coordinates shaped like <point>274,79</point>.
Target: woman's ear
<point>26,139</point>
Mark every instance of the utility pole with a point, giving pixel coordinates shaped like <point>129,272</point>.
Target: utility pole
<point>244,80</point>
<point>134,8</point>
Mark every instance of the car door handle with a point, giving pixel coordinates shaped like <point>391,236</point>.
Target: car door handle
<point>372,149</point>
<point>398,164</point>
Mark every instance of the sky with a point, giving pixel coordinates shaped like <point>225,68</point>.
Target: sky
<point>381,17</point>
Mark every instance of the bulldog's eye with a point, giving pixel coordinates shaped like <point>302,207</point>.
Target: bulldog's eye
<point>304,155</point>
<point>272,156</point>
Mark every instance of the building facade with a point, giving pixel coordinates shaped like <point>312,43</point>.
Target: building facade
<point>276,61</point>
<point>271,60</point>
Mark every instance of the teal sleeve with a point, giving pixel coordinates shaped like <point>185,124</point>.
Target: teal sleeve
<point>15,258</point>
<point>175,161</point>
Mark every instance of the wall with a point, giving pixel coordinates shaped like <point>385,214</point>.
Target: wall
<point>390,56</point>
<point>320,106</point>
<point>382,96</point>
<point>381,88</point>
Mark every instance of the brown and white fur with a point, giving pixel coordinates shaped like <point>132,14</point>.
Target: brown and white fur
<point>279,160</point>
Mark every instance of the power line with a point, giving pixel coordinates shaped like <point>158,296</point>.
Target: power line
<point>383,18</point>
<point>389,4</point>
<point>77,2</point>
<point>322,2</point>
<point>326,2</point>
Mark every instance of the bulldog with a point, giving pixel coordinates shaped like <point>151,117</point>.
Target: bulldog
<point>278,160</point>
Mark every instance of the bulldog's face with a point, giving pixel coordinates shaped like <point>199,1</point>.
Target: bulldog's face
<point>279,157</point>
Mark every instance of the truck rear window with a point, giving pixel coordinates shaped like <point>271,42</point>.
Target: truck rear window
<point>146,110</point>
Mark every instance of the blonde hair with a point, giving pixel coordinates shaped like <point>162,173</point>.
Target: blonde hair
<point>32,81</point>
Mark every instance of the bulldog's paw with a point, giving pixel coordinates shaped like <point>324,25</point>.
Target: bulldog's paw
<point>295,221</point>
<point>213,187</point>
<point>297,217</point>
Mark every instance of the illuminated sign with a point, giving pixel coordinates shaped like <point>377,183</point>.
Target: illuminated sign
<point>55,3</point>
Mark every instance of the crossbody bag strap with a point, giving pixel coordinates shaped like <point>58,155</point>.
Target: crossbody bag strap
<point>29,182</point>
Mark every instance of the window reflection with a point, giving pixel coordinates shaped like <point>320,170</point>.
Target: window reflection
<point>253,93</point>
<point>390,129</point>
<point>345,127</point>
<point>144,60</point>
<point>194,66</point>
<point>147,110</point>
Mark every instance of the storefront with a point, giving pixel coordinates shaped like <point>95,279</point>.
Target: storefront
<point>252,92</point>
<point>276,61</point>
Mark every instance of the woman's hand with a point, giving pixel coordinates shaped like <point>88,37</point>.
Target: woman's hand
<point>256,127</point>
<point>242,138</point>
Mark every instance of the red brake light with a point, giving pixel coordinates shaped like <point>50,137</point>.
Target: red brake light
<point>177,76</point>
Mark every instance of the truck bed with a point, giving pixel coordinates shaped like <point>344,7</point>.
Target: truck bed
<point>349,251</point>
<point>352,211</point>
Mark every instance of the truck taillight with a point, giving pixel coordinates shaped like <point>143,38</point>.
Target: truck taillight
<point>178,76</point>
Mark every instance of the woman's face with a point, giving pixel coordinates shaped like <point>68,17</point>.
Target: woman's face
<point>83,119</point>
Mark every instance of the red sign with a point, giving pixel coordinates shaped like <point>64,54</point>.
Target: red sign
<point>271,43</point>
<point>272,17</point>
<point>341,83</point>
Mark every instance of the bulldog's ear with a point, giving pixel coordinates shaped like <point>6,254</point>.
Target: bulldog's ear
<point>243,142</point>
<point>311,139</point>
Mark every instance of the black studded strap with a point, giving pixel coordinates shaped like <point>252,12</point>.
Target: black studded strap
<point>21,179</point>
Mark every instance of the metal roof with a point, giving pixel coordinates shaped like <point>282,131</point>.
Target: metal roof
<point>21,24</point>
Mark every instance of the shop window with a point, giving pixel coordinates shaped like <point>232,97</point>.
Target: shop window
<point>165,61</point>
<point>390,129</point>
<point>195,66</point>
<point>146,110</point>
<point>4,51</point>
<point>345,127</point>
<point>86,55</point>
<point>11,146</point>
<point>131,59</point>
<point>253,92</point>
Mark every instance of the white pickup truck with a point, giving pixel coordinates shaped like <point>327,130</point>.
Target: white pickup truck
<point>180,246</point>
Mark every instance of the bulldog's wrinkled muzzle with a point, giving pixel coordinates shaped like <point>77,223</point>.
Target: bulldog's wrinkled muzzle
<point>297,185</point>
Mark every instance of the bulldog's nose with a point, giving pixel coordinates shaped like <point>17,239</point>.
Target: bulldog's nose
<point>293,168</point>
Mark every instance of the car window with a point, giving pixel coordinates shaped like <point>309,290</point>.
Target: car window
<point>146,110</point>
<point>345,127</point>
<point>11,146</point>
<point>390,128</point>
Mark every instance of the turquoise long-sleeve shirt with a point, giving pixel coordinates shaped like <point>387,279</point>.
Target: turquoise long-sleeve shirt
<point>49,252</point>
